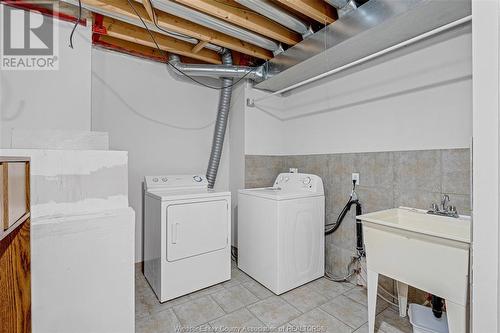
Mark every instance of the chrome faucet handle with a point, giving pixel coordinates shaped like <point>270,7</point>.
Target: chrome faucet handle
<point>444,201</point>
<point>453,210</point>
<point>434,207</point>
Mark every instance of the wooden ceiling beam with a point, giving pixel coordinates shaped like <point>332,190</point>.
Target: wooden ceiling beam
<point>182,26</point>
<point>131,33</point>
<point>149,9</point>
<point>131,48</point>
<point>244,18</point>
<point>199,46</point>
<point>315,9</point>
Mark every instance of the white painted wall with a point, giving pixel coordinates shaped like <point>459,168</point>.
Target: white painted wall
<point>50,99</point>
<point>485,229</point>
<point>166,125</point>
<point>419,100</point>
<point>237,157</point>
<point>264,131</point>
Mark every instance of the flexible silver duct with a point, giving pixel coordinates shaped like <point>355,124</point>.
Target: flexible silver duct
<point>275,13</point>
<point>220,123</point>
<point>226,72</point>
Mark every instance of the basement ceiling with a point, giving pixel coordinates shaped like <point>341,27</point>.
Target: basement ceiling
<point>255,30</point>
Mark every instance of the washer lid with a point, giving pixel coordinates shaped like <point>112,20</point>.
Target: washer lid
<point>277,193</point>
<point>183,194</point>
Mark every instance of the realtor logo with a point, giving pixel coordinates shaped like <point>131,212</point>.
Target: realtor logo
<point>29,38</point>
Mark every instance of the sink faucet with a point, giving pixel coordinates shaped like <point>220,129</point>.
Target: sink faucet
<point>444,201</point>
<point>446,209</point>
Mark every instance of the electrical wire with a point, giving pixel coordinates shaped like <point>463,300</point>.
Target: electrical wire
<point>378,294</point>
<point>353,200</point>
<point>329,276</point>
<point>381,287</point>
<point>76,23</point>
<point>175,67</point>
<point>155,22</point>
<point>234,254</point>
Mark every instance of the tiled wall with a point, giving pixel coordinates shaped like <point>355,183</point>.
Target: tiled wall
<point>387,180</point>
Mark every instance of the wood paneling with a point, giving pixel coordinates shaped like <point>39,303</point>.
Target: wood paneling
<point>15,281</point>
<point>15,252</point>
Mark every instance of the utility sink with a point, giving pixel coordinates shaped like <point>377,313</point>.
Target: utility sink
<point>426,251</point>
<point>419,221</point>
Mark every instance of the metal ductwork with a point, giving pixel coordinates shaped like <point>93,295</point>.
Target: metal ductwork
<point>226,72</point>
<point>216,24</point>
<point>374,26</point>
<point>218,71</point>
<point>343,6</point>
<point>275,13</point>
<point>220,123</point>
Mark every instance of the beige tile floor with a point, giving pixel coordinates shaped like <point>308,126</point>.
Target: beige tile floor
<point>243,305</point>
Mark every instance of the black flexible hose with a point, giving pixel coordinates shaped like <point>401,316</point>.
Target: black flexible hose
<point>342,215</point>
<point>345,210</point>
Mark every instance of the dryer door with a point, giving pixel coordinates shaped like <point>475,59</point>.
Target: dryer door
<point>196,228</point>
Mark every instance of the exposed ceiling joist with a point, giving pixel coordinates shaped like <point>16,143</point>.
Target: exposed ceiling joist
<point>244,18</point>
<point>315,9</point>
<point>149,9</point>
<point>182,26</point>
<point>131,33</point>
<point>131,48</point>
<point>199,46</point>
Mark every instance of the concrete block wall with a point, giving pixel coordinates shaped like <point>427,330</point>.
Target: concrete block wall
<point>387,180</point>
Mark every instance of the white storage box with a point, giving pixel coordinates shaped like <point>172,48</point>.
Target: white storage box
<point>424,321</point>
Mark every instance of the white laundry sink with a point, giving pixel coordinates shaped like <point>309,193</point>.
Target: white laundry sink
<point>417,220</point>
<point>426,251</point>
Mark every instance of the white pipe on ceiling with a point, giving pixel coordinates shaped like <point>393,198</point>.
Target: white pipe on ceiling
<point>216,24</point>
<point>275,13</point>
<point>251,102</point>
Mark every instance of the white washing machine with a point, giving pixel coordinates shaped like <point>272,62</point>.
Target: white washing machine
<point>187,230</point>
<point>281,240</point>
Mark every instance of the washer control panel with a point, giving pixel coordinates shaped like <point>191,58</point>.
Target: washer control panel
<point>299,181</point>
<point>175,181</point>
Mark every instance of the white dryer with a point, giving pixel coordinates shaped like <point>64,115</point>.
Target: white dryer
<point>281,241</point>
<point>187,230</point>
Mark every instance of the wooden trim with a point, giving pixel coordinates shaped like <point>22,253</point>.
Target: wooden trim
<point>5,195</point>
<point>15,259</point>
<point>131,33</point>
<point>15,226</point>
<point>182,26</point>
<point>315,9</point>
<point>244,18</point>
<point>14,159</point>
<point>15,280</point>
<point>27,169</point>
